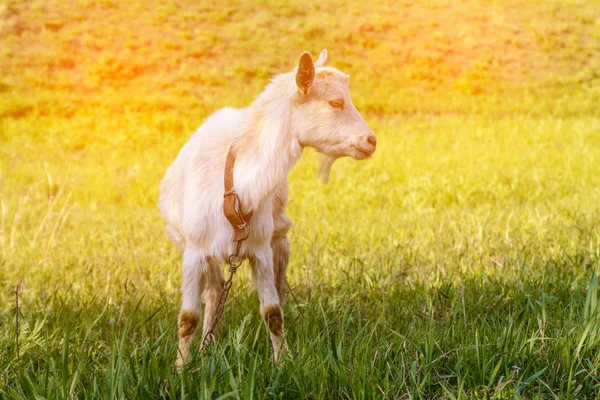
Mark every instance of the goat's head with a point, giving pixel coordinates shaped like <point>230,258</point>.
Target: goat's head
<point>324,117</point>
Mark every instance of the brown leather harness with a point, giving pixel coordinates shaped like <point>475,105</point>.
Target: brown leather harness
<point>232,208</point>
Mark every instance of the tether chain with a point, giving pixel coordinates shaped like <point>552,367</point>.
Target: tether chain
<point>234,263</point>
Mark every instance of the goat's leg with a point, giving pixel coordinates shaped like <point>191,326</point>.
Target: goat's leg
<point>193,265</point>
<point>281,258</point>
<point>211,286</point>
<point>270,310</point>
<point>279,242</point>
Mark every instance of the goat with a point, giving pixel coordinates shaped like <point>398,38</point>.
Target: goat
<point>308,107</point>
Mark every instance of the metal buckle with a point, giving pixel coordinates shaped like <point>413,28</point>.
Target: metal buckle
<point>235,260</point>
<point>236,206</point>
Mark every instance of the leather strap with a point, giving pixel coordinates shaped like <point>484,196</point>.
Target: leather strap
<point>232,207</point>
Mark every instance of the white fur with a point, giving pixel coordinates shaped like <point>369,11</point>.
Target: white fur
<point>269,136</point>
<point>322,59</point>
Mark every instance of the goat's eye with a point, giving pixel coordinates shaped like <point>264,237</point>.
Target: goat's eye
<point>337,103</point>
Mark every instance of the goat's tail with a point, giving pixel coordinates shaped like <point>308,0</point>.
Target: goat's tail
<point>176,237</point>
<point>169,200</point>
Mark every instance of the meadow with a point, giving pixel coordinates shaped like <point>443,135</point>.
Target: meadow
<point>460,262</point>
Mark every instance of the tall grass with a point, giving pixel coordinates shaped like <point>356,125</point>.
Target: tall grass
<point>460,262</point>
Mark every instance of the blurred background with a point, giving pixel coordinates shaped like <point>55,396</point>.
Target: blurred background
<point>485,184</point>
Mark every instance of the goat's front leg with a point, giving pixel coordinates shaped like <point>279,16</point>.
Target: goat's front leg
<point>270,310</point>
<point>193,266</point>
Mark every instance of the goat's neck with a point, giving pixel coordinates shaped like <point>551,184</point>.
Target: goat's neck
<point>266,153</point>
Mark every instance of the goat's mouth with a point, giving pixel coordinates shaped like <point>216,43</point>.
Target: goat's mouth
<point>362,152</point>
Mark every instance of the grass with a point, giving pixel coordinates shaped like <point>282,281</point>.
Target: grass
<point>459,262</point>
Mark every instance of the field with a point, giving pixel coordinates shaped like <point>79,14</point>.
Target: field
<point>458,263</point>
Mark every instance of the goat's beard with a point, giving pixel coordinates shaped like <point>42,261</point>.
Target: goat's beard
<point>325,168</point>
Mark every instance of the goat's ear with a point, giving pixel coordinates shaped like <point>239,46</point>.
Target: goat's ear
<point>306,73</point>
<point>322,59</point>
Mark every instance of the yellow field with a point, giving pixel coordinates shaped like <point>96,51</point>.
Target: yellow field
<point>457,263</point>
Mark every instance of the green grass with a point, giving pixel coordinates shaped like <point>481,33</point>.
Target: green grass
<point>459,262</point>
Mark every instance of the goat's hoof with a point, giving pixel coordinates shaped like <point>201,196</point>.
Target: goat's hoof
<point>179,364</point>
<point>283,352</point>
<point>183,357</point>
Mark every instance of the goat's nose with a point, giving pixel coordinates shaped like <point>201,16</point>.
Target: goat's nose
<point>371,139</point>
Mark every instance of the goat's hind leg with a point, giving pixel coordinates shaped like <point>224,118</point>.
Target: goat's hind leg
<point>281,247</point>
<point>281,258</point>
<point>211,286</point>
<point>193,266</point>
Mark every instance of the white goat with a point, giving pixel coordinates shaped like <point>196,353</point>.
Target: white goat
<point>307,107</point>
